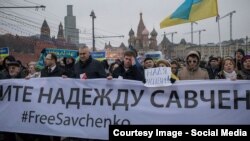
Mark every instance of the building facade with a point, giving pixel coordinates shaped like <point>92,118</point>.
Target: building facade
<point>142,42</point>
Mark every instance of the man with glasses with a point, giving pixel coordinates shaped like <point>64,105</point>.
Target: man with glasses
<point>192,71</point>
<point>51,70</point>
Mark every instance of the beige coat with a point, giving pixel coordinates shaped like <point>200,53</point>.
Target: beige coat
<point>198,74</point>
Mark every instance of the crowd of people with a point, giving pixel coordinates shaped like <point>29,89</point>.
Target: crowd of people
<point>191,68</point>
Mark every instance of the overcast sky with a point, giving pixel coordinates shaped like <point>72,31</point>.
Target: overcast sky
<point>117,17</point>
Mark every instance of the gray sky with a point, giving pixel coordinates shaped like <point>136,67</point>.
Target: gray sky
<point>117,17</point>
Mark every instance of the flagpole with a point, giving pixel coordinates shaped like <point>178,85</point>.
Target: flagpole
<point>218,20</point>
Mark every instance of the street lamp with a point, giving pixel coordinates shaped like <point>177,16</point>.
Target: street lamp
<point>218,18</point>
<point>200,35</point>
<point>192,23</point>
<point>92,14</point>
<point>246,44</point>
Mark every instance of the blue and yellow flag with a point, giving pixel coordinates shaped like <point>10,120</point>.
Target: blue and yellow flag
<point>4,52</point>
<point>190,11</point>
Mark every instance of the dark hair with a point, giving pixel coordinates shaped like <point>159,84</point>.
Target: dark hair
<point>241,51</point>
<point>175,62</point>
<point>193,56</point>
<point>148,58</point>
<point>53,56</point>
<point>129,53</point>
<point>213,58</point>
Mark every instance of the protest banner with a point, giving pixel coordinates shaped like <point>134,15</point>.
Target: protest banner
<point>86,108</point>
<point>60,53</point>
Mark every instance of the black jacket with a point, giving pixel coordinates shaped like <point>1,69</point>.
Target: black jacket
<point>69,68</point>
<point>6,75</point>
<point>57,72</point>
<point>133,73</point>
<point>212,73</point>
<point>92,68</point>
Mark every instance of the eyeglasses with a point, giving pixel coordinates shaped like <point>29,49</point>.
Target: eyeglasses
<point>192,61</point>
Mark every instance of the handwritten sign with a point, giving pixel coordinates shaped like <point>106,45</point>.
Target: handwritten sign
<point>158,77</point>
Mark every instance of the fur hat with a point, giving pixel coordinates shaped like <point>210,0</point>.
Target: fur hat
<point>13,63</point>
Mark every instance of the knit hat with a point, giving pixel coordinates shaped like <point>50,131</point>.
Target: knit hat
<point>245,58</point>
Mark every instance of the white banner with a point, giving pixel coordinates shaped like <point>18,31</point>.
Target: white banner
<point>86,108</point>
<point>158,77</point>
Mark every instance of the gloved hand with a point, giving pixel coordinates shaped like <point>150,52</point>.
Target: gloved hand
<point>172,80</point>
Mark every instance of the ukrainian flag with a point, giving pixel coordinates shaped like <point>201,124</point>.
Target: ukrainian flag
<point>4,52</point>
<point>190,11</point>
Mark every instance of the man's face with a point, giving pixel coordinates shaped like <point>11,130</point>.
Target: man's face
<point>49,61</point>
<point>13,70</point>
<point>84,54</point>
<point>149,64</point>
<point>127,61</point>
<point>214,63</point>
<point>239,56</point>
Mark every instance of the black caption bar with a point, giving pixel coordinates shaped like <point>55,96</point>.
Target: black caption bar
<point>177,132</point>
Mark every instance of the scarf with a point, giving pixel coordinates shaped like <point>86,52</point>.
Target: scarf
<point>231,75</point>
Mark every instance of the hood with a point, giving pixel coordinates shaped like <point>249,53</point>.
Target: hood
<point>193,53</point>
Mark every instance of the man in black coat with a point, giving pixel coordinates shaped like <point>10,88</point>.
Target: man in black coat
<point>128,69</point>
<point>51,69</point>
<point>213,67</point>
<point>87,67</point>
<point>13,71</point>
